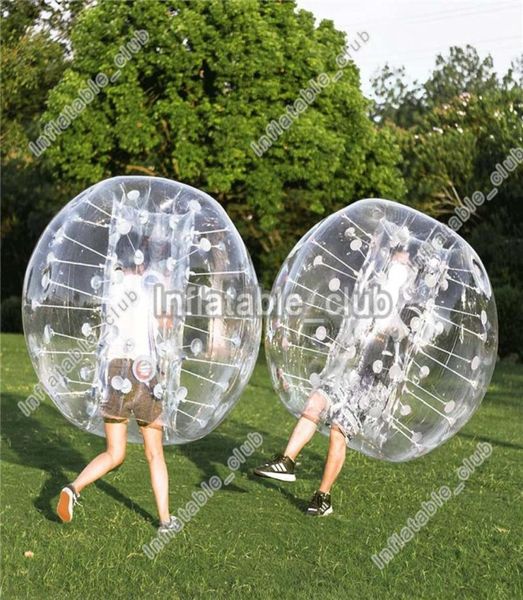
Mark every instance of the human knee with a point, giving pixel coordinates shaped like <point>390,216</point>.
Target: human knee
<point>337,438</point>
<point>117,455</point>
<point>309,418</point>
<point>154,453</point>
<point>315,407</point>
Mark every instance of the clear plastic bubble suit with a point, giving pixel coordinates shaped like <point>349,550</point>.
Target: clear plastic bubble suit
<point>131,306</point>
<point>384,320</point>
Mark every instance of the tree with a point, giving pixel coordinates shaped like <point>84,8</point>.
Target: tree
<point>455,131</point>
<point>463,122</point>
<point>462,71</point>
<point>394,99</point>
<point>33,59</point>
<point>194,101</point>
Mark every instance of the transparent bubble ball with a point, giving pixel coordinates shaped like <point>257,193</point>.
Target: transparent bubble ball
<point>383,323</point>
<point>141,302</point>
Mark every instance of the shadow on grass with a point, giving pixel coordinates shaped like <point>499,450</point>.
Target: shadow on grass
<point>33,444</point>
<point>490,440</point>
<point>310,468</point>
<point>299,503</point>
<point>36,445</point>
<point>210,454</point>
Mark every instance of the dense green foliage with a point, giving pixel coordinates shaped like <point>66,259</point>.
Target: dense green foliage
<point>33,59</point>
<point>454,131</point>
<point>209,80</point>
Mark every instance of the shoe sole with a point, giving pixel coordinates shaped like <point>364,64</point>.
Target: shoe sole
<point>279,476</point>
<point>65,506</point>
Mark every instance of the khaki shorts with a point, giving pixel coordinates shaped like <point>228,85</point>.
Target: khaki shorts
<point>139,401</point>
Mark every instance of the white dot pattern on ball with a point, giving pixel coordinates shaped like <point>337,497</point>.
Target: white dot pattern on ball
<point>436,319</point>
<point>115,275</point>
<point>377,366</point>
<point>334,284</point>
<point>321,332</point>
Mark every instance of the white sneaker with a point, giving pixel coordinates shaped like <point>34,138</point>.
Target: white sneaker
<point>66,503</point>
<point>172,525</point>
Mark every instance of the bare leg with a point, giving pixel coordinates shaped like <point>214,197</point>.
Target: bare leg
<point>335,459</point>
<point>306,426</point>
<point>153,447</point>
<point>301,435</point>
<point>116,435</point>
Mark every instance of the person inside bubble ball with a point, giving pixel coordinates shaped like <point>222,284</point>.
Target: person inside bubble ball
<point>129,373</point>
<point>344,391</point>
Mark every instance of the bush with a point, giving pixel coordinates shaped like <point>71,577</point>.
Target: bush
<point>11,315</point>
<point>509,301</point>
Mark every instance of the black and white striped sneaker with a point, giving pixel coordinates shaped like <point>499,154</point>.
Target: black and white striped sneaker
<point>279,467</point>
<point>66,503</point>
<point>320,505</point>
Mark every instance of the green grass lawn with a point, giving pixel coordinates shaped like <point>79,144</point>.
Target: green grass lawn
<point>251,539</point>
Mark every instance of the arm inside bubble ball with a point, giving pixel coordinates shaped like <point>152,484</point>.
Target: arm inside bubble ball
<point>359,365</point>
